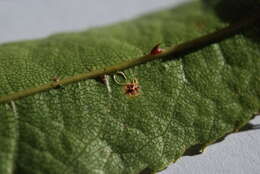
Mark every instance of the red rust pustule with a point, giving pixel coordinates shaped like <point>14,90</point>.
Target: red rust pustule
<point>132,89</point>
<point>156,50</point>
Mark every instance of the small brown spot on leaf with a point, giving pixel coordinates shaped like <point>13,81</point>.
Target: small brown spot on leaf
<point>200,25</point>
<point>101,79</point>
<point>132,89</point>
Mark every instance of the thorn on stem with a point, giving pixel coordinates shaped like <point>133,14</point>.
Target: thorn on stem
<point>156,49</point>
<point>56,81</point>
<point>101,79</point>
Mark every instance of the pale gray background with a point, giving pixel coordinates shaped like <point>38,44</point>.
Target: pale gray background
<point>28,19</point>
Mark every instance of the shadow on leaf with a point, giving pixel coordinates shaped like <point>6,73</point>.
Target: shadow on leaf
<point>146,171</point>
<point>232,11</point>
<point>198,148</point>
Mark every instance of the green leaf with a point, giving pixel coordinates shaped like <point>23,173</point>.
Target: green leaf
<point>183,103</point>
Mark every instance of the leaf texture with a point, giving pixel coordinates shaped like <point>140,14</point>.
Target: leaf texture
<point>84,128</point>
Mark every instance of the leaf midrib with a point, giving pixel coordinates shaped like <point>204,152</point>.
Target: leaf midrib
<point>173,52</point>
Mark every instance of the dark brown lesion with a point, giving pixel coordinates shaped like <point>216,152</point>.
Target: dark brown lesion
<point>56,83</point>
<point>200,25</point>
<point>101,79</point>
<point>132,89</point>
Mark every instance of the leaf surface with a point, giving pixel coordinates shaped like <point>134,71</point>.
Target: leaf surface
<point>84,128</point>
